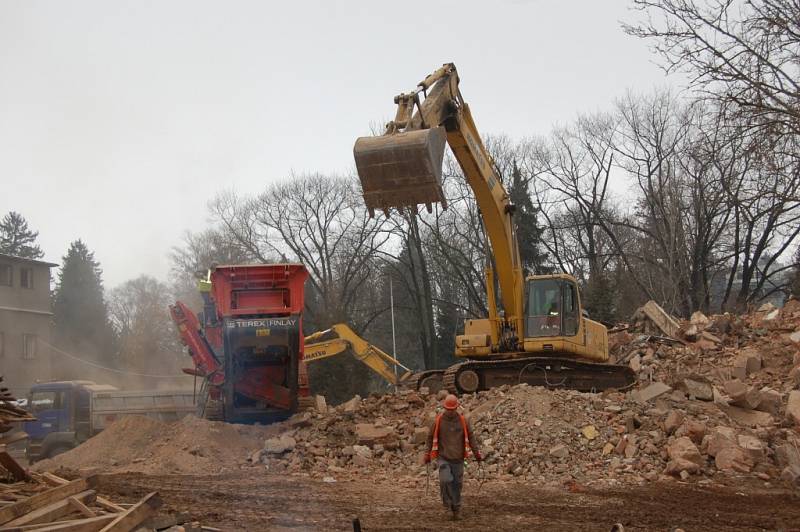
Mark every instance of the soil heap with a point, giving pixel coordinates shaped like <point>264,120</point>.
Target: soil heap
<point>141,444</point>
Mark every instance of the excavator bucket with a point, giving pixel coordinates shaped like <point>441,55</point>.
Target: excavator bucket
<point>401,169</point>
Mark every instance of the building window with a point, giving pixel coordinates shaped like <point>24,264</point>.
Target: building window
<point>26,277</point>
<point>28,346</point>
<point>5,275</point>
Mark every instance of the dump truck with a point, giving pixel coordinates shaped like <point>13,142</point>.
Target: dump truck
<point>70,412</point>
<point>247,342</point>
<point>536,331</point>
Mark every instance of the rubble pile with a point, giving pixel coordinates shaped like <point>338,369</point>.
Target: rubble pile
<point>717,399</point>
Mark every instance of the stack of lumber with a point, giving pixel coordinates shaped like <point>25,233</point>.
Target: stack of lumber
<point>48,503</point>
<point>9,411</point>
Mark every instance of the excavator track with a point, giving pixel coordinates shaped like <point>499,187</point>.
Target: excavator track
<point>431,379</point>
<point>551,372</point>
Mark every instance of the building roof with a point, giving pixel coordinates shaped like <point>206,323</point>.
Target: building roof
<point>31,261</point>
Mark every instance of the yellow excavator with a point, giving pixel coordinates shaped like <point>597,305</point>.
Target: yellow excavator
<point>539,333</point>
<point>340,338</point>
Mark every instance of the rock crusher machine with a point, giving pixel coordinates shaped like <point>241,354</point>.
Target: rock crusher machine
<point>247,344</point>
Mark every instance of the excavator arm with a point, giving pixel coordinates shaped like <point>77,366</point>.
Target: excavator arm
<point>318,348</point>
<point>402,168</point>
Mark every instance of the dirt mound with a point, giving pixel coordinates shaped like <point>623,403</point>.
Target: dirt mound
<point>141,444</point>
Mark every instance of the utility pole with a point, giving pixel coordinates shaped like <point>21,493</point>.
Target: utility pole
<point>394,342</point>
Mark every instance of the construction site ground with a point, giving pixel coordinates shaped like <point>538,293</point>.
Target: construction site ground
<point>709,439</point>
<point>251,500</point>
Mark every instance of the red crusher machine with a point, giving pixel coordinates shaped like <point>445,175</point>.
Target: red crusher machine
<point>247,343</point>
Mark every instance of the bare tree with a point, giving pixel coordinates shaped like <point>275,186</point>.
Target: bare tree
<point>321,222</point>
<point>138,310</point>
<point>742,53</point>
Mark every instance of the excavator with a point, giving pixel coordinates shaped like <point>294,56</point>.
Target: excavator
<point>340,338</point>
<point>536,331</point>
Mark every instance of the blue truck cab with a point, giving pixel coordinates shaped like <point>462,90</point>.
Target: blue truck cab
<point>63,417</point>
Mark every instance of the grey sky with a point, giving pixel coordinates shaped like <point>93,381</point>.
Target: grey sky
<point>120,120</point>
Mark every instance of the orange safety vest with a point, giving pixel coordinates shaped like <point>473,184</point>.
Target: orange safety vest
<point>435,446</point>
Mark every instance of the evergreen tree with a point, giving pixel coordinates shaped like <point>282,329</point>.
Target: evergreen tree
<point>16,239</point>
<point>529,233</point>
<point>80,311</point>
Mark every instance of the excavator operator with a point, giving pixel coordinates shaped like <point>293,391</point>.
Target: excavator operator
<point>450,440</point>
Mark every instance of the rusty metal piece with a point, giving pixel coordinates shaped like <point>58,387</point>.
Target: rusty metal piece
<point>401,169</point>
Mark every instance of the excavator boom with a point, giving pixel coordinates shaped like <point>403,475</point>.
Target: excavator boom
<point>541,334</point>
<point>341,338</point>
<point>402,168</point>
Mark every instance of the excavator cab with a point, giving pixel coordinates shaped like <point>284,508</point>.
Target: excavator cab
<point>552,307</point>
<point>401,169</point>
<point>554,321</point>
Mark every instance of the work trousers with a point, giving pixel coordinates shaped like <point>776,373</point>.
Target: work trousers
<point>451,478</point>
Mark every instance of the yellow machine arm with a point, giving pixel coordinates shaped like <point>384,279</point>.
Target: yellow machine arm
<point>390,178</point>
<point>316,348</point>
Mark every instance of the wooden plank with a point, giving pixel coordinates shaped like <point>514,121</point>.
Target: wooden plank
<point>51,512</point>
<point>11,465</point>
<point>91,524</point>
<point>133,517</point>
<point>50,496</point>
<point>102,502</point>
<point>82,508</point>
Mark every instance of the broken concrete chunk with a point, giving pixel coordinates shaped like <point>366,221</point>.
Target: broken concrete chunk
<point>750,418</point>
<point>791,476</point>
<point>753,446</point>
<point>697,387</point>
<point>749,359</point>
<point>720,438</point>
<point>300,420</point>
<point>279,445</point>
<point>685,449</point>
<point>674,420</point>
<point>636,364</point>
<point>661,319</point>
<point>793,407</point>
<point>694,430</point>
<point>321,404</point>
<point>734,458</point>
<point>651,392</point>
<point>771,401</point>
<point>742,395</point>
<point>680,466</point>
<point>352,405</point>
<point>699,319</point>
<point>787,454</point>
<point>684,456</point>
<point>369,434</point>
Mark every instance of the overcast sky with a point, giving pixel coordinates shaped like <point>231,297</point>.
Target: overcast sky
<point>120,120</point>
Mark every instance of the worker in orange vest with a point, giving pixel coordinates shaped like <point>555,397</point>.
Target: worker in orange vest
<point>450,440</point>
